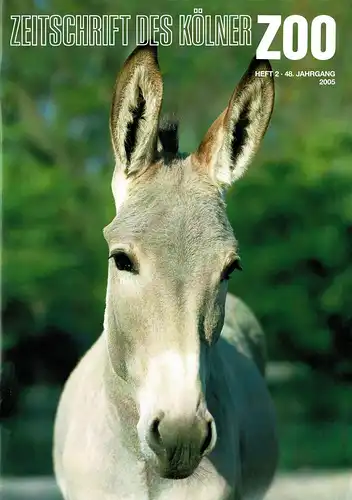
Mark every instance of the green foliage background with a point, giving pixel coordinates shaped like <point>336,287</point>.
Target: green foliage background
<point>292,212</point>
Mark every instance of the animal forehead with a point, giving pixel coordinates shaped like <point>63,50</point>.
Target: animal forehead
<point>173,210</point>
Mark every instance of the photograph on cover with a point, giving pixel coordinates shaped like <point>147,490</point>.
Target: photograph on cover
<point>176,250</point>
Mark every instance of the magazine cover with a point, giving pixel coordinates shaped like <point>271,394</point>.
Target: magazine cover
<point>176,250</point>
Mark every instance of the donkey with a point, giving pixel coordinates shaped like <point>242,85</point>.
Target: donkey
<point>171,403</point>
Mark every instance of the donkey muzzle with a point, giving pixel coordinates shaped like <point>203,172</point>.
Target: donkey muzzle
<point>179,445</point>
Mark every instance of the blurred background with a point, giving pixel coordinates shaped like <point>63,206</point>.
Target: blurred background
<point>292,215</point>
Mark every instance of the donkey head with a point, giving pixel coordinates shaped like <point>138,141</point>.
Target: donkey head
<point>172,251</point>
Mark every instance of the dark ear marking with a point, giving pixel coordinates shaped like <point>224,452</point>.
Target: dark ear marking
<point>137,114</point>
<point>240,134</point>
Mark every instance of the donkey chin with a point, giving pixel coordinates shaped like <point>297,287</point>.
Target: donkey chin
<point>175,448</point>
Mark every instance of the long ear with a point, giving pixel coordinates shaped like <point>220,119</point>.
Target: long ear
<point>235,136</point>
<point>135,111</point>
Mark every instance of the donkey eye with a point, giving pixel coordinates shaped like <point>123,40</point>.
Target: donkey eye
<point>235,265</point>
<point>123,262</point>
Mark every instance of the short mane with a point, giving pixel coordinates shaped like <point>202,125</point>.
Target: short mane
<point>168,136</point>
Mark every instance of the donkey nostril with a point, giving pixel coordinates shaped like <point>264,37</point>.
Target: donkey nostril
<point>155,426</point>
<point>208,439</point>
<point>154,433</point>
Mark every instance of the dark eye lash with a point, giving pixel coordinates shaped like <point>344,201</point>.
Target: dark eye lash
<point>124,262</point>
<point>235,265</point>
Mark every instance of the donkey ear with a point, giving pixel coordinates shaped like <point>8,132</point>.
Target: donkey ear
<point>235,136</point>
<point>135,111</point>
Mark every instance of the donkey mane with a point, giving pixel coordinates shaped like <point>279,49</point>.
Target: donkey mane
<point>168,135</point>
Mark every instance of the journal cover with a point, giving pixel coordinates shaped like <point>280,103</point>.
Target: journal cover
<point>176,250</point>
